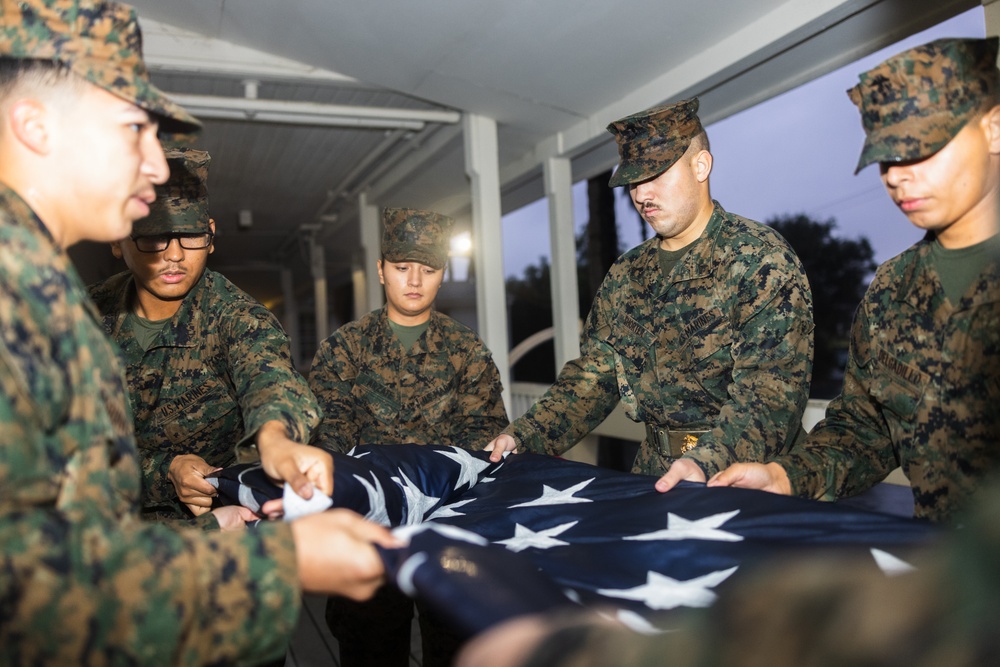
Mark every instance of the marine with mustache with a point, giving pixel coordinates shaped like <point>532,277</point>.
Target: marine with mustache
<point>704,332</point>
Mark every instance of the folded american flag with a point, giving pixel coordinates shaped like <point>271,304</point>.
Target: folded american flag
<point>489,541</point>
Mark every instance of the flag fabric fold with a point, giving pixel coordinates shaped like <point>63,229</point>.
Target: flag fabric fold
<point>489,541</point>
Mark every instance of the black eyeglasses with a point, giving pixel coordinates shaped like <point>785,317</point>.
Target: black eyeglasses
<point>162,242</point>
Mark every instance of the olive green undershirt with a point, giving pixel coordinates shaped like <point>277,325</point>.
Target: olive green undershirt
<point>669,258</point>
<point>959,268</point>
<point>145,331</point>
<point>408,335</point>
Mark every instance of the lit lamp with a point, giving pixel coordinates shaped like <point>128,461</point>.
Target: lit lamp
<point>461,246</point>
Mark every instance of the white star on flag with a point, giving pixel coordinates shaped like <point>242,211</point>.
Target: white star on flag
<point>552,496</point>
<point>449,510</point>
<point>662,592</point>
<point>376,501</point>
<point>679,528</point>
<point>417,502</point>
<point>406,533</point>
<point>525,538</point>
<point>890,564</point>
<point>469,465</point>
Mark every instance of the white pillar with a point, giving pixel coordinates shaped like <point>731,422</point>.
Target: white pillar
<point>992,9</point>
<point>482,165</point>
<point>371,249</point>
<point>317,257</point>
<point>291,316</point>
<point>359,281</point>
<point>565,291</point>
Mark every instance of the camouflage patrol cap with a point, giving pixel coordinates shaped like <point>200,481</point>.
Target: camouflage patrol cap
<point>914,103</point>
<point>181,204</point>
<point>651,141</point>
<point>410,235</point>
<point>99,41</point>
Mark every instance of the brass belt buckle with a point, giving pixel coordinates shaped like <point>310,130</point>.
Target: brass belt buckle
<point>688,443</point>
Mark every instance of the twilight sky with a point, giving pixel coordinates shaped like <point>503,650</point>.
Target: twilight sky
<point>795,153</point>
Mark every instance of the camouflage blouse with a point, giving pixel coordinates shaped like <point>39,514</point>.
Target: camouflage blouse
<point>921,391</point>
<point>219,371</point>
<point>82,579</point>
<point>724,345</point>
<point>444,390</point>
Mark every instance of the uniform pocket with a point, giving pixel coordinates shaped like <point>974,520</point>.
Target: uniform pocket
<point>706,336</point>
<point>370,393</point>
<point>439,407</point>
<point>896,386</point>
<point>208,414</point>
<point>633,348</point>
<point>631,342</point>
<point>707,352</point>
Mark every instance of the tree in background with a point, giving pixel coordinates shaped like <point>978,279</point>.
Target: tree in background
<point>529,297</point>
<point>530,311</point>
<point>600,248</point>
<point>839,271</point>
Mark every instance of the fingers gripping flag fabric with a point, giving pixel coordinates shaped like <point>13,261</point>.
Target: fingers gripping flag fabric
<point>489,541</point>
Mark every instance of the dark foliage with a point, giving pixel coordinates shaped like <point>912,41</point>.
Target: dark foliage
<point>839,271</point>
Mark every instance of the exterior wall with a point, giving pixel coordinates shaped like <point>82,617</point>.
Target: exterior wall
<point>992,8</point>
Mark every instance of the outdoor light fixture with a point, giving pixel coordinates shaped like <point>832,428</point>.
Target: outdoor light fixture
<point>461,245</point>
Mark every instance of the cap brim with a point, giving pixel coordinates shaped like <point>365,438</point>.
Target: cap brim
<point>124,83</point>
<point>636,172</point>
<point>413,255</point>
<point>915,138</point>
<point>174,119</point>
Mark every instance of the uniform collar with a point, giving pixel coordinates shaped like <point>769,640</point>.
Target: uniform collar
<point>182,331</point>
<point>22,215</point>
<point>698,262</point>
<point>920,286</point>
<point>429,343</point>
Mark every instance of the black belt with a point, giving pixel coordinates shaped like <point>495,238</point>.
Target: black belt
<point>672,442</point>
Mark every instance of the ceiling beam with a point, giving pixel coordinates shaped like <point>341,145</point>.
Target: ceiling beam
<point>312,113</point>
<point>167,48</point>
<point>793,44</point>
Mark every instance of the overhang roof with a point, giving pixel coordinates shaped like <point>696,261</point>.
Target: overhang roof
<point>552,74</point>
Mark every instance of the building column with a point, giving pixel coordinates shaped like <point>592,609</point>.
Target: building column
<point>368,296</point>
<point>564,287</point>
<point>482,165</point>
<point>992,9</point>
<point>317,263</point>
<point>291,315</point>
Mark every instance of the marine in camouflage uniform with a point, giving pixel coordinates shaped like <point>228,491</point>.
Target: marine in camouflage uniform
<point>220,368</point>
<point>82,579</point>
<point>440,386</point>
<point>922,384</point>
<point>445,389</point>
<point>714,357</point>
